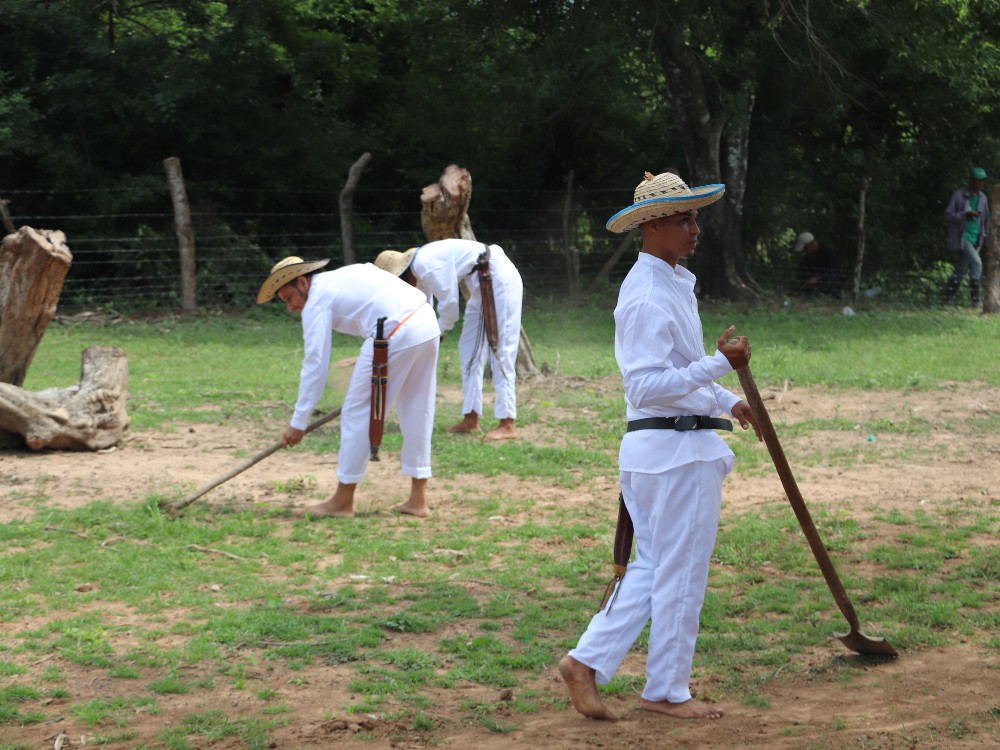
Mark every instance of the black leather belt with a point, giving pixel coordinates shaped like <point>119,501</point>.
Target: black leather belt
<point>681,424</point>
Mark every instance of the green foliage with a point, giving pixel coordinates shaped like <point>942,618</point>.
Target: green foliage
<point>265,96</point>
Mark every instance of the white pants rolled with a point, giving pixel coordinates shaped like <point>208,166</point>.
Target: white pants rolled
<point>411,389</point>
<point>508,294</point>
<point>676,517</point>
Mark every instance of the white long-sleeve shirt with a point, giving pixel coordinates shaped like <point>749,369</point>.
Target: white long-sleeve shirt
<point>349,300</point>
<point>660,350</point>
<point>439,267</point>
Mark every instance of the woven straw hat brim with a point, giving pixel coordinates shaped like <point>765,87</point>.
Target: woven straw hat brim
<point>284,275</point>
<point>655,208</point>
<point>394,261</point>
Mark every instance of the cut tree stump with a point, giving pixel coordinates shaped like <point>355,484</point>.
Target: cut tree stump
<point>33,265</point>
<point>444,214</point>
<point>445,205</point>
<point>88,416</point>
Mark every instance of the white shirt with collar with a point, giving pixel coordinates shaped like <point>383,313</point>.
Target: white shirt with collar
<point>660,350</point>
<point>350,300</point>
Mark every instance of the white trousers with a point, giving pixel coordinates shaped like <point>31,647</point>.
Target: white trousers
<point>411,388</point>
<point>676,516</point>
<point>508,293</point>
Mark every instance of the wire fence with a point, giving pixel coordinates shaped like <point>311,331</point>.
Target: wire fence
<point>127,259</point>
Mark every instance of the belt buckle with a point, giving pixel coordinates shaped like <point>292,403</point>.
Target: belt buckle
<point>684,424</point>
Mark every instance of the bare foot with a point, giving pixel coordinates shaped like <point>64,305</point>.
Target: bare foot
<point>340,504</point>
<point>329,509</point>
<point>504,431</point>
<point>469,423</point>
<point>416,505</point>
<point>582,685</point>
<point>689,709</point>
<point>406,509</point>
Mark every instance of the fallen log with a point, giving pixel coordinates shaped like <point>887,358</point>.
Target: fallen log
<point>87,416</point>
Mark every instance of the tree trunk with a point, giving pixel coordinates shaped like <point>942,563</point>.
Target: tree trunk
<point>859,262</point>
<point>714,127</point>
<point>184,229</point>
<point>572,256</point>
<point>444,215</point>
<point>33,266</point>
<point>991,257</point>
<point>445,206</point>
<point>89,416</point>
<point>347,207</point>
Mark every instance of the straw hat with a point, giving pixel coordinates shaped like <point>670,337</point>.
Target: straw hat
<point>395,262</point>
<point>286,270</point>
<point>663,195</point>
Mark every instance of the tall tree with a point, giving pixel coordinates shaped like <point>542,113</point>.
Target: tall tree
<point>708,55</point>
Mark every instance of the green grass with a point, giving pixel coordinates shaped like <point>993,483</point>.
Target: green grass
<point>414,611</point>
<point>214,367</point>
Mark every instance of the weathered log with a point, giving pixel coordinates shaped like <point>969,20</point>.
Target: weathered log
<point>33,266</point>
<point>444,215</point>
<point>445,206</point>
<point>88,416</point>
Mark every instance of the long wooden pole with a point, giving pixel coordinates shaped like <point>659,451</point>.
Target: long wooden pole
<point>186,501</point>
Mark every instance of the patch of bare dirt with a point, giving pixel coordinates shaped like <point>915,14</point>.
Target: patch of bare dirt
<point>941,698</point>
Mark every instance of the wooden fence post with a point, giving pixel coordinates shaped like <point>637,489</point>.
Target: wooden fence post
<point>858,262</point>
<point>572,256</point>
<point>991,257</point>
<point>347,207</point>
<point>185,232</point>
<point>625,244</point>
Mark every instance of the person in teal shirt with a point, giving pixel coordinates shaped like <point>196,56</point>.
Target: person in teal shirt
<point>968,219</point>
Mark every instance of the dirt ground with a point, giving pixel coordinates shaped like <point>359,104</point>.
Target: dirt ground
<point>942,698</point>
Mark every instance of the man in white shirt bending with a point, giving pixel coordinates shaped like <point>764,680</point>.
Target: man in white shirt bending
<point>352,300</point>
<point>439,269</point>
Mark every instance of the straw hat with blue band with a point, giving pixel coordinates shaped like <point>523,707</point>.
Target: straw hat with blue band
<point>284,272</point>
<point>663,195</point>
<point>394,261</point>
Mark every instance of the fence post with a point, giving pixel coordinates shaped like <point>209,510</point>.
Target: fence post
<point>347,207</point>
<point>612,262</point>
<point>185,232</point>
<point>856,288</point>
<point>991,257</point>
<point>572,256</point>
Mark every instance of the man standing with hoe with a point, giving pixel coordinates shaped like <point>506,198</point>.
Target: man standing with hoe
<point>491,326</point>
<point>363,301</point>
<point>672,462</point>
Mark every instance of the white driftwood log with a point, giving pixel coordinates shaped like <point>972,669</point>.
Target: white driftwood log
<point>444,206</point>
<point>33,265</point>
<point>88,416</point>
